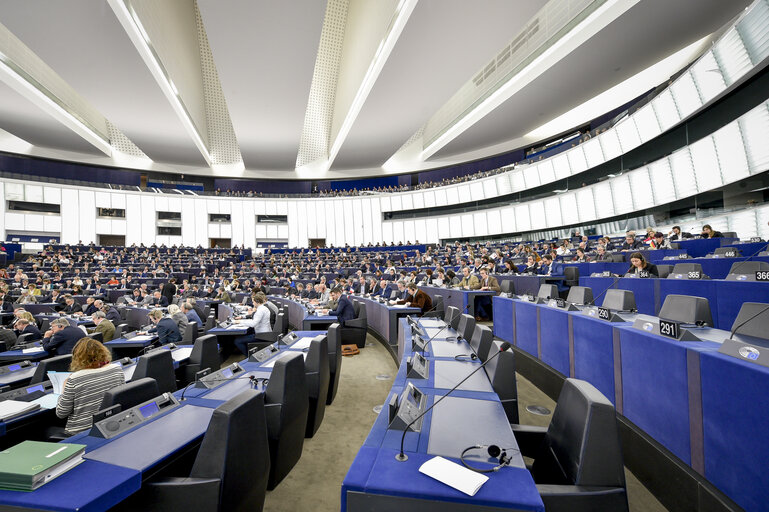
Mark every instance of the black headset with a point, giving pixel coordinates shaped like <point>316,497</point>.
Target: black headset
<point>494,451</point>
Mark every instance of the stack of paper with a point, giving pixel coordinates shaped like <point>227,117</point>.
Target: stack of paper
<point>454,475</point>
<point>28,465</point>
<point>57,381</point>
<point>302,344</point>
<point>11,408</point>
<point>181,353</point>
<point>32,350</point>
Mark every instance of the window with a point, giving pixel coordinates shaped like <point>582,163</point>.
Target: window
<point>23,206</point>
<point>218,217</point>
<point>272,219</point>
<point>112,213</point>
<point>168,230</point>
<point>169,216</point>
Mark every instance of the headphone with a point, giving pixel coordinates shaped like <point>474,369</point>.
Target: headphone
<point>494,452</point>
<point>256,380</point>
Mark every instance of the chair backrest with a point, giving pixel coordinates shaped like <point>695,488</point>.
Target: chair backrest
<point>52,364</point>
<point>361,312</point>
<point>24,337</point>
<point>753,320</point>
<point>98,336</point>
<point>466,326</point>
<point>210,322</point>
<point>205,353</point>
<point>317,363</point>
<point>119,330</point>
<point>728,250</point>
<point>664,270</point>
<point>334,336</point>
<point>356,306</point>
<point>158,365</point>
<point>686,309</point>
<point>481,341</point>
<point>190,333</point>
<point>235,450</point>
<point>748,267</point>
<point>580,295</point>
<point>571,273</point>
<point>547,291</point>
<point>501,373</point>
<point>685,268</point>
<point>451,313</point>
<point>617,258</point>
<point>277,327</point>
<point>507,286</point>
<point>288,386</point>
<point>582,445</point>
<point>131,393</point>
<point>619,300</point>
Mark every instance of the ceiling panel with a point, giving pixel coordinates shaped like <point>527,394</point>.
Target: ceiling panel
<point>265,55</point>
<point>443,44</point>
<point>24,119</point>
<point>85,44</point>
<point>618,52</point>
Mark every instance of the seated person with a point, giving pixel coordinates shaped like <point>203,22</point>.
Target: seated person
<point>581,257</point>
<point>61,338</point>
<point>469,281</point>
<point>84,390</point>
<point>104,326</point>
<point>344,309</point>
<point>631,243</point>
<point>640,267</point>
<point>417,298</point>
<point>510,267</point>
<point>192,315</point>
<point>550,267</point>
<point>659,242</point>
<point>157,299</point>
<point>90,308</point>
<point>259,322</point>
<point>24,326</point>
<point>532,267</point>
<point>165,326</point>
<point>707,232</point>
<point>72,306</point>
<point>676,234</point>
<point>381,290</point>
<point>113,315</point>
<point>483,306</point>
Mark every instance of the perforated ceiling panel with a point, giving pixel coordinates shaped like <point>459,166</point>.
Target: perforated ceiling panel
<point>123,144</point>
<point>314,143</point>
<point>222,142</point>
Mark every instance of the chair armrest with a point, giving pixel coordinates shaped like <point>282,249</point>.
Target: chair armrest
<point>528,437</point>
<point>576,498</point>
<point>182,494</point>
<point>270,337</point>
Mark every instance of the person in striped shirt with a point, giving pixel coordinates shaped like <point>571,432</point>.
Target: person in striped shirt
<point>84,390</point>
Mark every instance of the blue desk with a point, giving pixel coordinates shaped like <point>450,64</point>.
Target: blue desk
<point>19,355</point>
<point>17,375</point>
<point>702,246</point>
<point>715,268</point>
<point>463,300</point>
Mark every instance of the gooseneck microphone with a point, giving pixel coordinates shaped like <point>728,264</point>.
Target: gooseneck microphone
<point>614,282</point>
<point>733,271</point>
<point>739,326</point>
<point>402,456</point>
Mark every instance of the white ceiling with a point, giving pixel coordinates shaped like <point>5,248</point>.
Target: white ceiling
<point>265,53</point>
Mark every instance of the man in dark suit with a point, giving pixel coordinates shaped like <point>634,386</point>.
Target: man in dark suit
<point>61,338</point>
<point>344,309</point>
<point>6,306</point>
<point>169,290</point>
<point>71,307</point>
<point>158,300</point>
<point>112,314</point>
<point>381,290</point>
<point>168,331</point>
<point>24,327</point>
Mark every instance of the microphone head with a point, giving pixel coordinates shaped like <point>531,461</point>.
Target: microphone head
<point>504,346</point>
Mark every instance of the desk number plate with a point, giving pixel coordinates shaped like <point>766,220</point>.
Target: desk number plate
<point>762,275</point>
<point>695,274</point>
<point>669,329</point>
<point>559,302</point>
<point>604,314</point>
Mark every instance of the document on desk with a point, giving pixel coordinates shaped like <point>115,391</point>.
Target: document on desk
<point>181,353</point>
<point>32,350</point>
<point>48,401</point>
<point>271,363</point>
<point>57,380</point>
<point>431,322</point>
<point>444,333</point>
<point>142,337</point>
<point>453,475</point>
<point>302,343</point>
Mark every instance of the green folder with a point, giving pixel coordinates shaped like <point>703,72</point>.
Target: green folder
<point>30,464</point>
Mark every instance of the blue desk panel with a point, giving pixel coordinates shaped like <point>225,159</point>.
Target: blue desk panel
<point>90,487</point>
<point>731,295</point>
<point>735,410</point>
<point>503,318</point>
<point>554,338</point>
<point>703,246</point>
<point>594,355</point>
<point>526,326</point>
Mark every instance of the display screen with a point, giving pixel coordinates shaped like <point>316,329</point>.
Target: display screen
<point>227,373</point>
<point>35,388</point>
<point>149,410</point>
<point>14,367</point>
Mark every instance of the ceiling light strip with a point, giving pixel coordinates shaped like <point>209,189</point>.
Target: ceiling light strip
<point>394,29</point>
<point>26,85</point>
<point>140,38</point>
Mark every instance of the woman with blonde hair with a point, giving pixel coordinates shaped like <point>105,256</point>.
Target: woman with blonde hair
<point>83,391</point>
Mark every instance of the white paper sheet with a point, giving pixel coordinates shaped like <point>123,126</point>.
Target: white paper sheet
<point>271,362</point>
<point>302,343</point>
<point>12,408</point>
<point>48,401</point>
<point>181,353</point>
<point>32,350</point>
<point>57,380</point>
<point>142,337</point>
<point>454,475</point>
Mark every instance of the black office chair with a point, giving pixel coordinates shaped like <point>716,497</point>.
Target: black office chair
<point>580,295</point>
<point>230,469</point>
<point>45,324</point>
<point>334,360</point>
<point>547,291</point>
<point>190,333</point>
<point>286,403</point>
<point>681,271</point>
<point>52,364</point>
<point>131,393</point>
<point>284,320</point>
<point>481,341</point>
<point>452,317</point>
<point>22,338</point>
<point>354,331</point>
<point>317,373</point>
<point>210,323</point>
<point>572,276</point>
<point>578,463</point>
<point>158,365</point>
<point>119,330</point>
<point>617,258</point>
<point>746,270</point>
<point>205,354</point>
<point>466,326</point>
<point>262,339</point>
<point>507,286</point>
<point>98,336</point>
<point>686,309</point>
<point>726,252</point>
<point>438,308</point>
<point>619,300</point>
<point>501,373</point>
<point>752,320</point>
<point>664,271</point>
